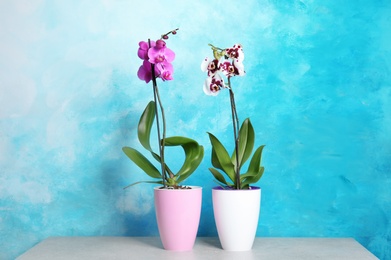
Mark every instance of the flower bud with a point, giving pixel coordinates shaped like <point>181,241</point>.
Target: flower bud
<point>160,44</point>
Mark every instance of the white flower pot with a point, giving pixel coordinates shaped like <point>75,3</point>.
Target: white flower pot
<point>236,215</point>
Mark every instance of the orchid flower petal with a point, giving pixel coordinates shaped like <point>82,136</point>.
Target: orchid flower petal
<point>165,71</point>
<point>239,68</point>
<point>207,89</point>
<point>236,52</point>
<point>209,65</point>
<point>144,74</point>
<point>204,64</point>
<point>158,55</point>
<point>213,85</point>
<point>227,68</point>
<point>169,54</point>
<point>143,49</point>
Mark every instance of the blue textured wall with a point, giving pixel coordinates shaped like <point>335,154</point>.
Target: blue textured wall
<point>318,91</point>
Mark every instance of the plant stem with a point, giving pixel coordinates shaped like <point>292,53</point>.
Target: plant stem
<point>235,123</point>
<point>156,99</point>
<point>163,140</point>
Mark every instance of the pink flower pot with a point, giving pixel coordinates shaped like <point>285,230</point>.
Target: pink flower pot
<point>178,215</point>
<point>236,215</point>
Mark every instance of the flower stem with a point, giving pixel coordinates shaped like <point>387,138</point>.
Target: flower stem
<point>165,36</point>
<point>161,142</point>
<point>235,123</point>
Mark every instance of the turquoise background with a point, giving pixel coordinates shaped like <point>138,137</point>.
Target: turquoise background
<point>317,90</point>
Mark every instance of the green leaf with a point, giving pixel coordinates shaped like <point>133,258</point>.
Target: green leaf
<point>142,162</point>
<point>218,176</point>
<point>246,142</point>
<point>215,161</point>
<point>145,125</point>
<point>255,171</point>
<point>194,154</point>
<point>252,179</point>
<point>222,157</point>
<point>157,182</point>
<point>255,162</point>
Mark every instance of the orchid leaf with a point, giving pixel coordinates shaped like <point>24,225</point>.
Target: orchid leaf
<point>246,143</point>
<point>157,182</point>
<point>144,128</point>
<point>145,125</point>
<point>194,154</point>
<point>218,176</point>
<point>255,162</point>
<point>222,157</point>
<point>255,170</point>
<point>142,162</point>
<point>252,179</point>
<point>215,160</point>
<point>155,156</point>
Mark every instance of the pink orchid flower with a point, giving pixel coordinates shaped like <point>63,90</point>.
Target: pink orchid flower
<point>165,71</point>
<point>145,71</point>
<point>160,53</point>
<point>143,49</point>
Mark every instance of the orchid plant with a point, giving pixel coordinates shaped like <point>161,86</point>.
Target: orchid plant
<point>228,63</point>
<point>157,63</point>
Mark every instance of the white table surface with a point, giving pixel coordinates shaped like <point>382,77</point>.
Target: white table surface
<point>205,248</point>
